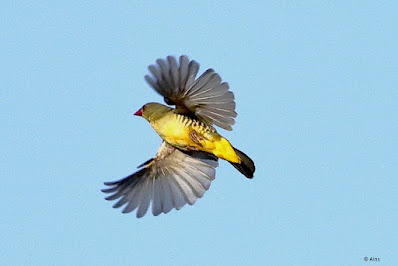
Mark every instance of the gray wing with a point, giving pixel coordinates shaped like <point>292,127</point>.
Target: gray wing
<point>206,97</point>
<point>172,179</point>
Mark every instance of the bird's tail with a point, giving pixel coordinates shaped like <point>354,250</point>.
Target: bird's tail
<point>246,166</point>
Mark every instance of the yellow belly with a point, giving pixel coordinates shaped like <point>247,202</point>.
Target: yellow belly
<point>175,133</point>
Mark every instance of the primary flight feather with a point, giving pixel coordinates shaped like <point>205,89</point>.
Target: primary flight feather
<point>185,163</point>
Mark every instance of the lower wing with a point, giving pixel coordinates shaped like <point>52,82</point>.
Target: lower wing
<point>170,180</point>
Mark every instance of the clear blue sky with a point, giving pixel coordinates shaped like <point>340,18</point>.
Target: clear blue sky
<point>316,90</point>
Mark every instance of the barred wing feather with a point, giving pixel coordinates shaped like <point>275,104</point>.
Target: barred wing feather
<point>172,179</point>
<point>207,97</point>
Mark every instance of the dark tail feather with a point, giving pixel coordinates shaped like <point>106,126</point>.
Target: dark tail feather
<point>246,167</point>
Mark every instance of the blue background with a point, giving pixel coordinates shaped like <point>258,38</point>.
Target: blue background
<point>316,89</point>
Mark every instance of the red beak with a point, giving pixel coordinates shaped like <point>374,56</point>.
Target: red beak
<point>139,112</point>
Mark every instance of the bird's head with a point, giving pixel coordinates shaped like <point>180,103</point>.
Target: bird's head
<point>153,111</point>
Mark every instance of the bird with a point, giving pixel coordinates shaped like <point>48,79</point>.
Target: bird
<point>185,163</point>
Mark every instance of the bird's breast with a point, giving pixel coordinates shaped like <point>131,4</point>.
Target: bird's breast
<point>176,128</point>
<point>187,134</point>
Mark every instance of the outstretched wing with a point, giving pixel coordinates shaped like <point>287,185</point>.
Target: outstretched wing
<point>207,98</point>
<point>170,180</point>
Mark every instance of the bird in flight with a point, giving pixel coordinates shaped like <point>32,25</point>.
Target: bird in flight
<point>185,163</point>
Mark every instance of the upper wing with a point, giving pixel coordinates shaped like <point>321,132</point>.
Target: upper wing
<point>206,97</point>
<point>170,180</point>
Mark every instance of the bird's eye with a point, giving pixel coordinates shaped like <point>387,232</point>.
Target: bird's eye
<point>143,108</point>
